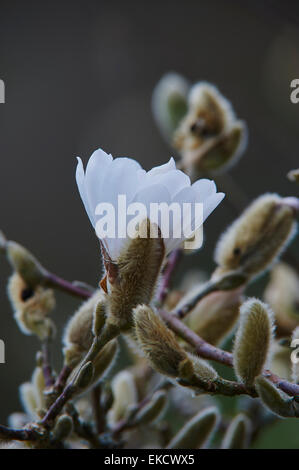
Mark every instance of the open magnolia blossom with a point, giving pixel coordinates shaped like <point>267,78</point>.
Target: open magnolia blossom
<point>106,179</point>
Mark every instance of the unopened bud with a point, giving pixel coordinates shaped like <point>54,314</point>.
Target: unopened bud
<point>275,400</point>
<point>237,434</point>
<point>295,355</point>
<point>169,103</point>
<point>257,237</point>
<point>253,340</point>
<point>125,396</point>
<point>78,334</point>
<point>25,264</point>
<point>85,376</point>
<point>282,294</point>
<point>138,268</point>
<point>281,360</point>
<point>196,432</point>
<point>63,428</point>
<point>152,410</point>
<point>209,138</point>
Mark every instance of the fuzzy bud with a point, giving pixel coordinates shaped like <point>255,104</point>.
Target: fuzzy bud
<point>152,410</point>
<point>84,376</point>
<point>209,138</point>
<point>237,434</point>
<point>253,340</point>
<point>134,281</point>
<point>32,393</point>
<point>79,332</point>
<point>169,103</point>
<point>282,294</point>
<point>25,264</point>
<point>196,432</point>
<point>295,355</point>
<point>275,400</point>
<point>31,307</point>
<point>281,360</point>
<point>63,428</point>
<point>125,396</point>
<point>214,317</point>
<point>257,237</point>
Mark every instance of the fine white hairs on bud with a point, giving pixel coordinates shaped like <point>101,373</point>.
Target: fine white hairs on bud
<point>198,431</point>
<point>81,327</point>
<point>253,340</point>
<point>163,351</point>
<point>25,264</point>
<point>31,307</point>
<point>257,237</point>
<point>125,396</point>
<point>138,268</point>
<point>32,394</point>
<point>275,400</point>
<point>282,294</point>
<point>169,103</point>
<point>209,138</point>
<point>237,434</point>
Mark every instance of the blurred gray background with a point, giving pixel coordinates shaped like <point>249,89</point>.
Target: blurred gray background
<point>79,75</point>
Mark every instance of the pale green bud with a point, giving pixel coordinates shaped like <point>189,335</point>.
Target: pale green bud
<point>275,400</point>
<point>237,434</point>
<point>25,264</point>
<point>253,340</point>
<point>63,428</point>
<point>152,410</point>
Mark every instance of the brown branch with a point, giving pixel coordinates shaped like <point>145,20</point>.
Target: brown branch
<point>52,280</point>
<point>46,364</point>
<point>18,434</point>
<point>99,416</point>
<point>207,351</point>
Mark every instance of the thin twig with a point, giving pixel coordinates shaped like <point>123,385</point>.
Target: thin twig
<point>172,262</point>
<point>52,280</point>
<point>47,368</point>
<point>99,417</point>
<point>18,434</point>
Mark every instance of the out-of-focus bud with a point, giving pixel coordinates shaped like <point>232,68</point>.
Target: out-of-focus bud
<point>85,376</point>
<point>105,360</point>
<point>63,428</point>
<point>125,397</point>
<point>78,334</point>
<point>32,394</point>
<point>152,410</point>
<point>197,432</point>
<point>163,351</point>
<point>293,175</point>
<point>169,103</point>
<point>253,340</point>
<point>281,360</point>
<point>209,138</point>
<point>214,317</point>
<point>31,307</point>
<point>295,355</point>
<point>282,294</point>
<point>257,237</point>
<point>237,434</point>
<point>25,264</point>
<point>138,268</point>
<point>275,400</point>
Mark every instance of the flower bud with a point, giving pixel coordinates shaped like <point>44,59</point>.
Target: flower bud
<point>63,428</point>
<point>152,410</point>
<point>253,340</point>
<point>295,356</point>
<point>197,432</point>
<point>25,264</point>
<point>125,396</point>
<point>237,434</point>
<point>209,138</point>
<point>84,376</point>
<point>32,393</point>
<point>80,329</point>
<point>282,294</point>
<point>257,237</point>
<point>276,401</point>
<point>31,307</point>
<point>157,342</point>
<point>293,175</point>
<point>169,103</point>
<point>281,360</point>
<point>214,317</point>
<point>138,268</point>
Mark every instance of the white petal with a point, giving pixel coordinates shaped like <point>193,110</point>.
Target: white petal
<point>204,188</point>
<point>96,172</point>
<point>211,203</point>
<point>157,170</point>
<point>80,178</point>
<point>173,180</point>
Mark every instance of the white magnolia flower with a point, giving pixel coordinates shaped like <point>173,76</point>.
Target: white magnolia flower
<point>106,178</point>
